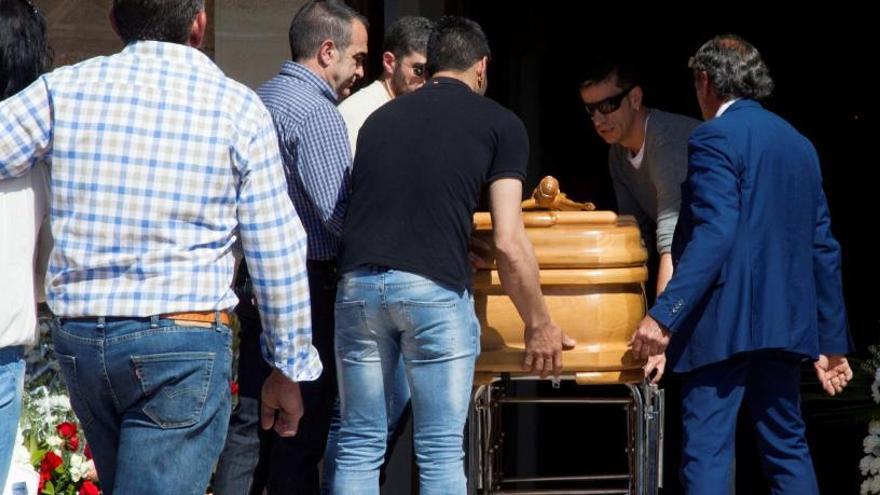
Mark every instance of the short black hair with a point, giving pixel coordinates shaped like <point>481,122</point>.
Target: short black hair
<point>625,72</point>
<point>406,35</point>
<point>318,21</point>
<point>24,50</point>
<point>456,43</point>
<point>156,20</point>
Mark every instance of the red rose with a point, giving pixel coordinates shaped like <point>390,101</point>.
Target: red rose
<point>88,488</point>
<point>87,451</point>
<point>72,444</point>
<point>44,477</point>
<point>50,462</point>
<point>233,387</point>
<point>66,430</point>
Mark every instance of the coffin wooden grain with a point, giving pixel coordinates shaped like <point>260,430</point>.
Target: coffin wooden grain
<point>592,270</point>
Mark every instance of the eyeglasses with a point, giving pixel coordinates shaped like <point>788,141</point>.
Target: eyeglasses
<point>607,105</point>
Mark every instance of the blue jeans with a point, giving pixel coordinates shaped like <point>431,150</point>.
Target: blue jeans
<point>382,314</point>
<point>236,469</point>
<point>398,400</point>
<point>11,388</point>
<point>152,396</point>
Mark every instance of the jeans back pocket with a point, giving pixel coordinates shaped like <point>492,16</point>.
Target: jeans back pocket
<point>175,386</point>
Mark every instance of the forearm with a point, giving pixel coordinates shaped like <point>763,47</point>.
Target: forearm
<point>664,272</point>
<point>520,279</point>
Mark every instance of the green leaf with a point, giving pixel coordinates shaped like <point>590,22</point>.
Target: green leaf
<point>37,456</point>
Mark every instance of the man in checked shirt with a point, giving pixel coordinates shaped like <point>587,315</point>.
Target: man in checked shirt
<point>328,43</point>
<point>159,165</point>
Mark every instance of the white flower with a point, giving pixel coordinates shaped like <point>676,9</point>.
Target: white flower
<point>875,391</point>
<point>869,464</point>
<point>870,443</point>
<point>871,485</point>
<point>78,467</point>
<point>91,473</point>
<point>20,455</point>
<point>874,484</point>
<point>55,441</point>
<point>874,427</point>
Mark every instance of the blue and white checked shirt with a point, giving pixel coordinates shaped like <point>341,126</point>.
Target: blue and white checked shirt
<point>159,165</point>
<point>315,150</point>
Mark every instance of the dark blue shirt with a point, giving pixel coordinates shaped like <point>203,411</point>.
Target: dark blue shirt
<point>315,151</point>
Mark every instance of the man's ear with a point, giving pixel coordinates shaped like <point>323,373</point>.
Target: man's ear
<point>197,32</point>
<point>389,63</point>
<point>113,24</point>
<point>635,97</point>
<point>327,53</point>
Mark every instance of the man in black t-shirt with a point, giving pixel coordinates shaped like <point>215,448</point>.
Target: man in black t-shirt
<point>422,160</point>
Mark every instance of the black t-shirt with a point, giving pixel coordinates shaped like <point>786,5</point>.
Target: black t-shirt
<point>422,161</point>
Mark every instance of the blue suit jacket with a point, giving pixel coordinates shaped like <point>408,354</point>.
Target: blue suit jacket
<point>756,266</point>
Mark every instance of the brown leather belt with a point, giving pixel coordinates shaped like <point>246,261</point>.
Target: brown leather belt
<point>202,316</point>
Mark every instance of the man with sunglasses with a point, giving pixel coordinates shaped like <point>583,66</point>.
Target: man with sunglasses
<point>403,71</point>
<point>648,155</point>
<point>648,163</point>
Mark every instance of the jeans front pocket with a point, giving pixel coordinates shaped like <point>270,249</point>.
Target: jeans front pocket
<point>77,400</point>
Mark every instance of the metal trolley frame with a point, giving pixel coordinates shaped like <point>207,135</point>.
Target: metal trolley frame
<point>644,414</point>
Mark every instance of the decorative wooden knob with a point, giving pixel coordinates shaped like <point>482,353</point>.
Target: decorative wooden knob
<point>546,195</point>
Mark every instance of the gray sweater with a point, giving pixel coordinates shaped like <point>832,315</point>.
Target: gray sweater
<point>652,193</point>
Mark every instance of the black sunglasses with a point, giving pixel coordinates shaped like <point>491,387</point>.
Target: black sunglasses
<point>609,104</point>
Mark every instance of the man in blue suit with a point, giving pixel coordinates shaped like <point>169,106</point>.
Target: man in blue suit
<point>756,288</point>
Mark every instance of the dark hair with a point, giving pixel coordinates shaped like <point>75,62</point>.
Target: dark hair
<point>407,35</point>
<point>734,67</point>
<point>625,73</point>
<point>24,50</point>
<point>456,43</point>
<point>155,20</point>
<point>318,21</point>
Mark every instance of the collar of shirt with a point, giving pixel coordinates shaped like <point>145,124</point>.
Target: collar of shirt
<point>724,106</point>
<point>170,51</point>
<point>443,81</point>
<point>304,75</point>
